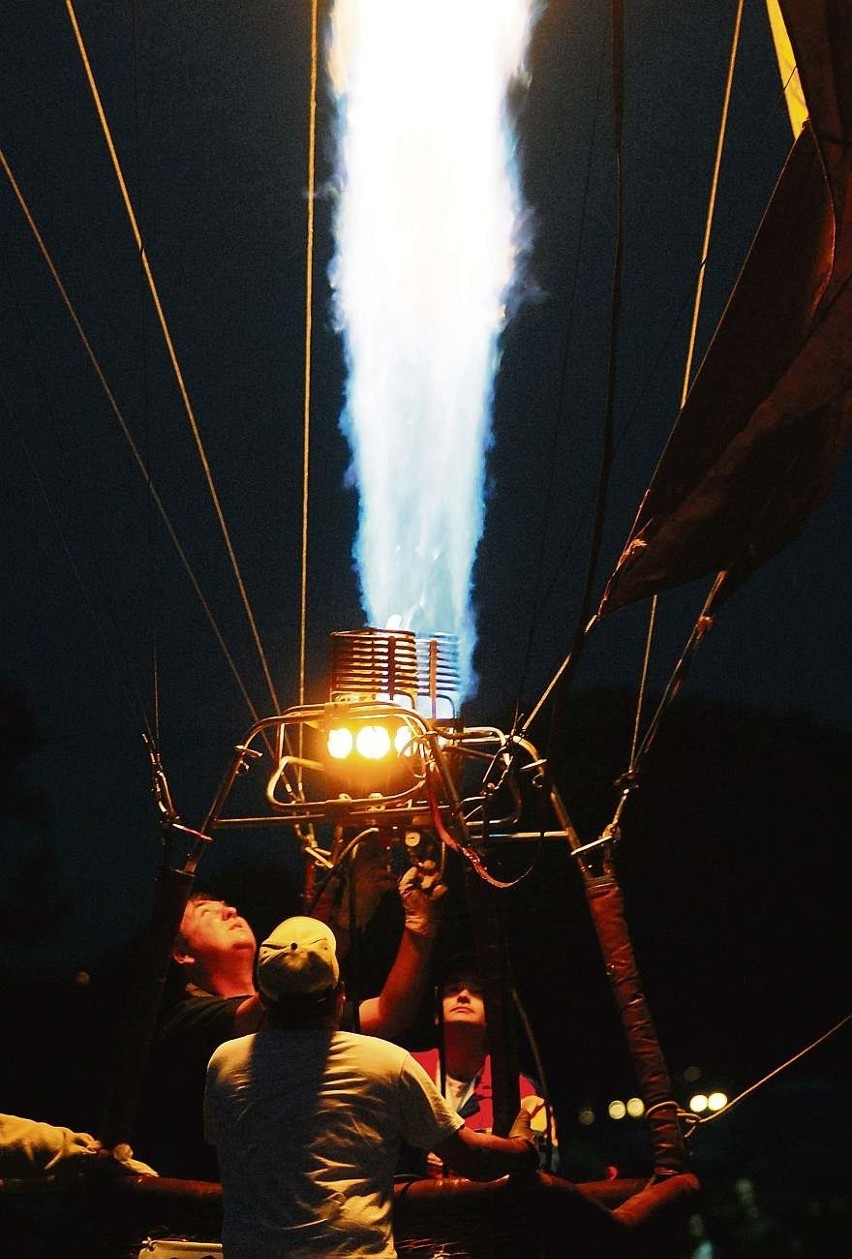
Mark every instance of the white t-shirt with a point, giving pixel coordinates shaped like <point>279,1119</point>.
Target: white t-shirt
<point>308,1126</point>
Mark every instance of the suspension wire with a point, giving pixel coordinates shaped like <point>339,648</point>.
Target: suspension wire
<point>699,629</point>
<point>651,370</point>
<point>720,589</point>
<point>153,600</point>
<point>190,414</point>
<point>569,660</point>
<point>128,436</point>
<point>309,298</point>
<point>643,680</point>
<point>553,683</point>
<point>690,354</point>
<point>537,597</point>
<point>629,780</point>
<point>587,506</point>
<point>783,1066</point>
<point>711,205</point>
<point>560,683</point>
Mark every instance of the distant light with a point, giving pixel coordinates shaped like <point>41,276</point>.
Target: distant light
<point>585,1116</point>
<point>373,742</point>
<point>635,1107</point>
<point>699,1103</point>
<point>691,1074</point>
<point>717,1101</point>
<point>616,1110</point>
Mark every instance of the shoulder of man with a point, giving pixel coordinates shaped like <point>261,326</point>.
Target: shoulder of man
<point>379,1057</point>
<point>193,1010</point>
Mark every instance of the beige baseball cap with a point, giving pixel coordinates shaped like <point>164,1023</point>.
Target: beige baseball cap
<point>299,958</point>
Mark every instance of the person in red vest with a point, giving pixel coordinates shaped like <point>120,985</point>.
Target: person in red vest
<point>464,1074</point>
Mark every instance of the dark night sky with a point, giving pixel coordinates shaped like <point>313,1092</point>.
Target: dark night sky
<point>210,120</point>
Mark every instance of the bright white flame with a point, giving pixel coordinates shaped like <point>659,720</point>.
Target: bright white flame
<point>429,236</point>
<point>373,742</point>
<point>339,742</point>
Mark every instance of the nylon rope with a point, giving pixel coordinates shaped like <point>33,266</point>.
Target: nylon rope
<point>171,351</point>
<point>643,681</point>
<point>309,294</point>
<point>693,331</point>
<point>128,436</point>
<point>783,1066</point>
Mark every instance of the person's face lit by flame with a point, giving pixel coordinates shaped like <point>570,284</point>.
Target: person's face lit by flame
<point>211,929</point>
<point>462,1000</point>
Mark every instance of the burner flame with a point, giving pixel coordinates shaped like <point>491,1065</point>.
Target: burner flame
<point>430,234</point>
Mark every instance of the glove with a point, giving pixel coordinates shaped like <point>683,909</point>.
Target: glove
<point>29,1147</point>
<point>117,1162</point>
<point>123,1155</point>
<point>522,1129</point>
<point>420,890</point>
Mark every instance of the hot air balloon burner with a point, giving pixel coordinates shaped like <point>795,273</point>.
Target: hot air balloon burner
<point>390,691</point>
<point>438,674</point>
<point>418,671</point>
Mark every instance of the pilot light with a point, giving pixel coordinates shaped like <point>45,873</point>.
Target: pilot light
<point>373,747</point>
<point>373,742</point>
<point>340,742</point>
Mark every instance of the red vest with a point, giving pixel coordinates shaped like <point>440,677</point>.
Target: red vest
<point>478,1108</point>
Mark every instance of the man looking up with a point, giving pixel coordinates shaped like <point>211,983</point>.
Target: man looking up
<point>213,999</point>
<point>308,1119</point>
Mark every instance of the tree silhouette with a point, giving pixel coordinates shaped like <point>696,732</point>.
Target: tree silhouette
<point>31,903</point>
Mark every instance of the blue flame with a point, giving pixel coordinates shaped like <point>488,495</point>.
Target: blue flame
<point>429,241</point>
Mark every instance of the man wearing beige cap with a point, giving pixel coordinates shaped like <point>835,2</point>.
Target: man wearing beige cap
<point>212,997</point>
<point>308,1120</point>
